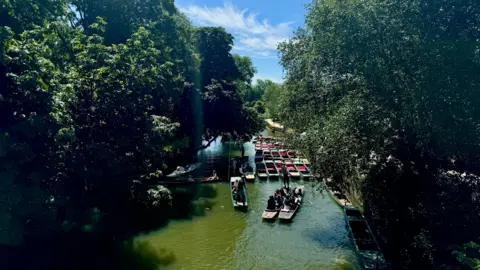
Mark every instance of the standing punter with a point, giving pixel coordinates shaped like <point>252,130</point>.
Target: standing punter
<point>286,180</point>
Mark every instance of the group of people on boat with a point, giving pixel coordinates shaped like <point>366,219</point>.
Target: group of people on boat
<point>238,189</point>
<point>285,197</point>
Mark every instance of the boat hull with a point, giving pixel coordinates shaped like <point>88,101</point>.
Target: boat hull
<point>365,245</point>
<point>270,214</point>
<point>181,173</point>
<point>288,214</point>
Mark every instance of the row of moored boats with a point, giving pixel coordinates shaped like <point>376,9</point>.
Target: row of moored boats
<point>270,157</point>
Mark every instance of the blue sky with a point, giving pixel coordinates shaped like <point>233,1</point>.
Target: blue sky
<point>257,25</point>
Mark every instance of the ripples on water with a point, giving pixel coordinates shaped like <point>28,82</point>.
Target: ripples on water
<point>209,234</point>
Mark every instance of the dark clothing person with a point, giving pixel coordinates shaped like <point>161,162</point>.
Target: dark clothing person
<point>271,203</point>
<point>279,199</point>
<point>241,183</point>
<point>240,191</point>
<point>286,181</point>
<point>243,151</point>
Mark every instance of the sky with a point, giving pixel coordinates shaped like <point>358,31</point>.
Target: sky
<point>257,26</point>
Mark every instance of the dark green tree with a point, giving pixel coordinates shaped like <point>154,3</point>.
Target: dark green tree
<point>385,93</point>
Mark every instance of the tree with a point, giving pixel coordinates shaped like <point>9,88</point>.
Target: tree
<point>384,92</point>
<point>94,106</point>
<point>216,107</point>
<point>271,97</point>
<point>245,67</point>
<point>23,15</point>
<point>123,17</point>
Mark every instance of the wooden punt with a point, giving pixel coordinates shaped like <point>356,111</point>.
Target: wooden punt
<point>364,242</point>
<point>287,213</point>
<point>270,214</point>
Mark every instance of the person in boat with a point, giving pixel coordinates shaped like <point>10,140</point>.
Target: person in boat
<point>286,180</point>
<point>297,200</point>
<point>241,190</point>
<point>235,185</point>
<point>279,199</point>
<point>271,203</point>
<point>297,191</point>
<point>214,176</point>
<point>291,202</point>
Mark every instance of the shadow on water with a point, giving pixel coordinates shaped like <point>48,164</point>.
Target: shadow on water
<point>242,209</point>
<point>80,250</point>
<point>192,201</point>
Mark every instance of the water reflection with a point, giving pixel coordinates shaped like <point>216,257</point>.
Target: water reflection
<point>207,233</point>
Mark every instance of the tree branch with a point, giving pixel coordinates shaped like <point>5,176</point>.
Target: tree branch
<point>208,144</point>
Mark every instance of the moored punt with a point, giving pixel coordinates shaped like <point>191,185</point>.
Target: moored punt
<point>261,171</point>
<point>294,174</point>
<point>292,171</point>
<point>258,155</point>
<point>290,166</point>
<point>288,161</point>
<point>288,211</point>
<point>365,244</point>
<point>248,172</point>
<point>268,157</point>
<point>277,144</point>
<point>183,170</point>
<point>303,170</point>
<point>250,176</point>
<point>297,161</point>
<point>210,179</point>
<point>267,152</point>
<point>238,203</point>
<point>278,160</point>
<point>283,153</point>
<point>278,166</point>
<point>306,162</point>
<point>291,154</point>
<point>271,169</point>
<point>275,154</point>
<point>203,180</point>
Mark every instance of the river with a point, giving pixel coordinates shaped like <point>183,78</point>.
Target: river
<point>207,233</point>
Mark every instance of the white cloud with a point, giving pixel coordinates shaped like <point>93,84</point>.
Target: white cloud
<point>257,38</point>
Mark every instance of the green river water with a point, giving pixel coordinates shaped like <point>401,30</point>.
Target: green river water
<point>210,234</point>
